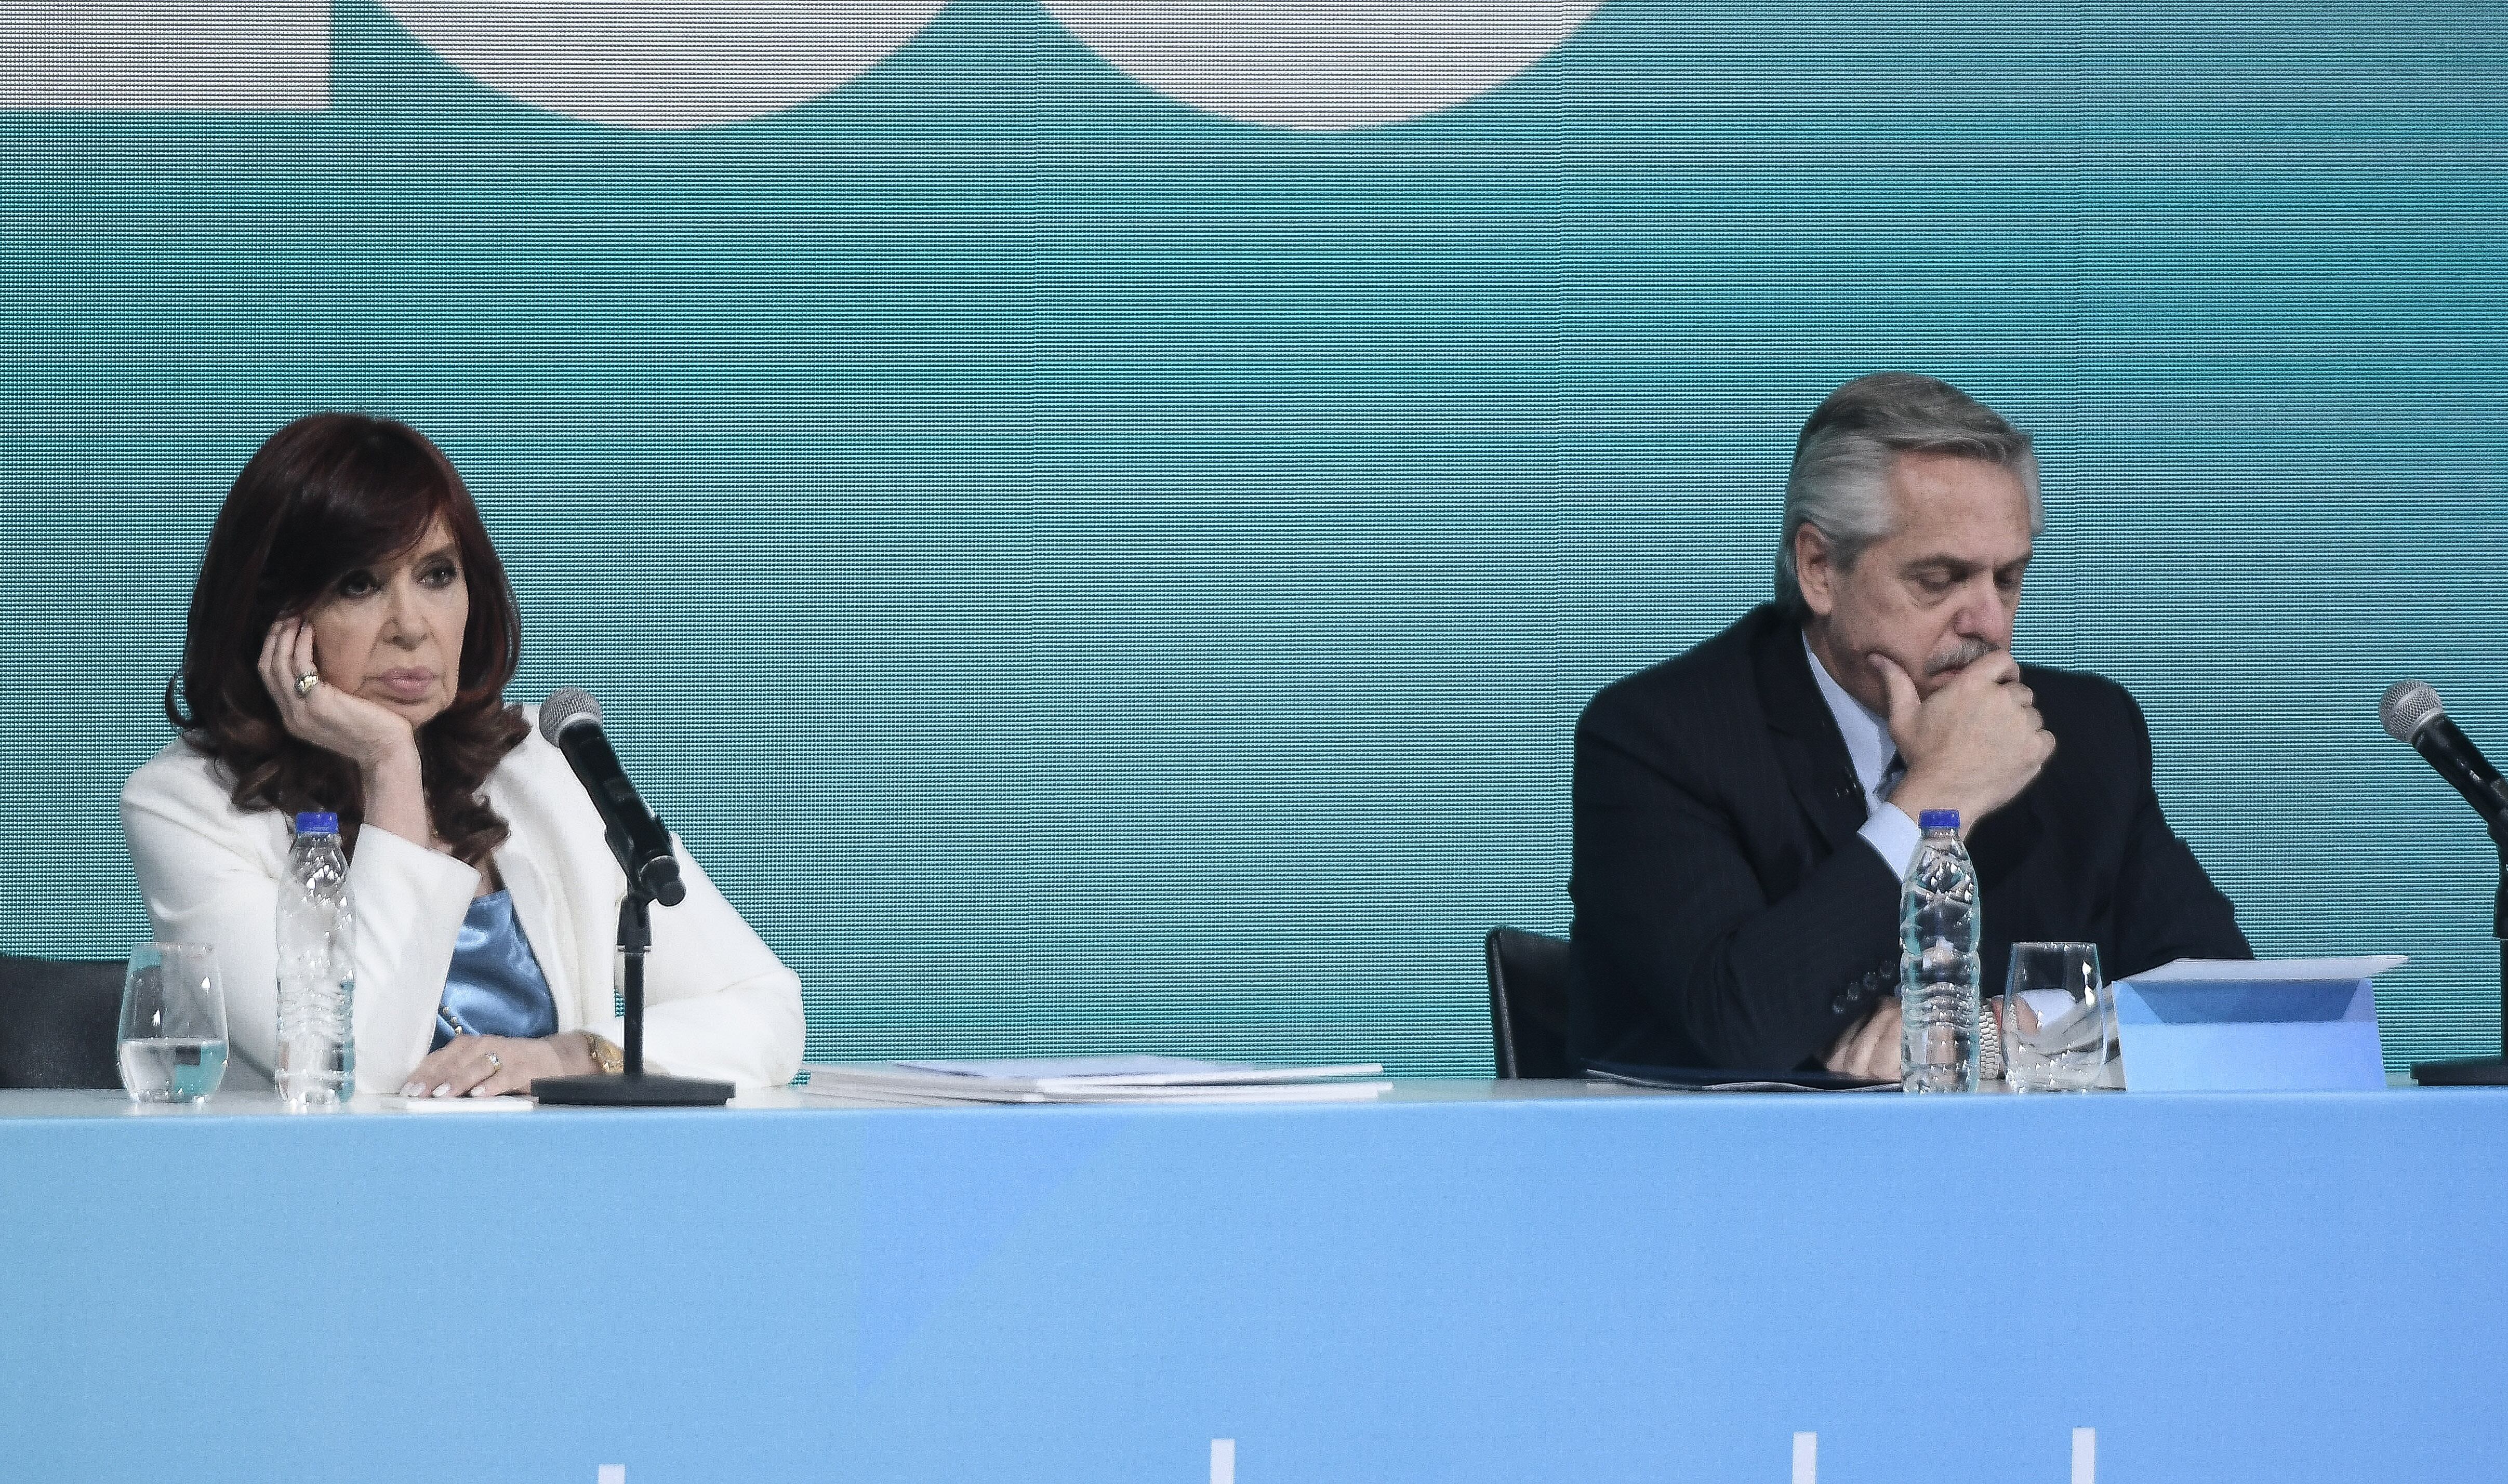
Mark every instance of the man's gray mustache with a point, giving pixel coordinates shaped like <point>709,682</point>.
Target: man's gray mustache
<point>1969,652</point>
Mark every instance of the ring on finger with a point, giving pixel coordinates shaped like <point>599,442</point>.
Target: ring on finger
<point>305,682</point>
<point>495,1063</point>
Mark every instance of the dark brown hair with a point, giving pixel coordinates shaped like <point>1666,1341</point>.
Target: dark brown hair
<point>327,496</point>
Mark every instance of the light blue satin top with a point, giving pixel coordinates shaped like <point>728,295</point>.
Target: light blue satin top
<point>495,985</point>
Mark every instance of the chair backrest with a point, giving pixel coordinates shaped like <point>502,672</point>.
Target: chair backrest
<point>1528,984</point>
<point>57,1023</point>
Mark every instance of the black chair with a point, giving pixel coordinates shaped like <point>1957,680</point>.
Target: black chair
<point>1528,983</point>
<point>57,1023</point>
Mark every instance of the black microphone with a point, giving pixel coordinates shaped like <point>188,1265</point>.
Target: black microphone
<point>2412,714</point>
<point>571,720</point>
<point>2415,716</point>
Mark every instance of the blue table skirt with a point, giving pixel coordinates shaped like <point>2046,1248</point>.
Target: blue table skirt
<point>2228,1287</point>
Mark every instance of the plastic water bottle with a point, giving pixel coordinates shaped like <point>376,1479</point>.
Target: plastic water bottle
<point>318,980</point>
<point>1937,966</point>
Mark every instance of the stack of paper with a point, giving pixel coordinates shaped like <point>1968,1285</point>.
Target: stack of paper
<point>1089,1079</point>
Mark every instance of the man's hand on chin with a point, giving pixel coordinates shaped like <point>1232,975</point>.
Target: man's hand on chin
<point>1973,745</point>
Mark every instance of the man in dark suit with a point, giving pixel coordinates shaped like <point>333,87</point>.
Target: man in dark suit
<point>1745,813</point>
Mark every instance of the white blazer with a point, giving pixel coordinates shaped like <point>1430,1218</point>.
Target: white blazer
<point>717,1002</point>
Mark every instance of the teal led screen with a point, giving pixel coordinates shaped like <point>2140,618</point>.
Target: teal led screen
<point>1096,521</point>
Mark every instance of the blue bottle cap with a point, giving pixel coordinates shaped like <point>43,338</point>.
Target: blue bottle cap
<point>317,824</point>
<point>1938,819</point>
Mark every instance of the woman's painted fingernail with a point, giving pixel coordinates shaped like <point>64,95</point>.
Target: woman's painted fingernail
<point>443,1090</point>
<point>410,1089</point>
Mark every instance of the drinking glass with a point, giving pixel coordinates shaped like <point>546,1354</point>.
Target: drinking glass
<point>173,1036</point>
<point>2057,1018</point>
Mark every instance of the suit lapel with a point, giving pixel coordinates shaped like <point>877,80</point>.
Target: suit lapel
<point>534,909</point>
<point>1804,735</point>
<point>538,907</point>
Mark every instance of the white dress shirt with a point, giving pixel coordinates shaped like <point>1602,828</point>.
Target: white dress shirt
<point>1887,829</point>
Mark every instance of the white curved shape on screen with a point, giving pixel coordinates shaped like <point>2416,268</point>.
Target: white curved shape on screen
<point>1321,64</point>
<point>664,63</point>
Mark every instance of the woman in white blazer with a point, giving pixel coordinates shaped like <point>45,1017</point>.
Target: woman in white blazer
<point>348,645</point>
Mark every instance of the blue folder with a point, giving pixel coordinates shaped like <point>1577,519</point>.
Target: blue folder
<point>2297,1025</point>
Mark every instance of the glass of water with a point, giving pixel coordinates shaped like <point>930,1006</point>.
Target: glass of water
<point>2057,1018</point>
<point>173,1038</point>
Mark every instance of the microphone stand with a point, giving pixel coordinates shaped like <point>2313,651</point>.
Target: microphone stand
<point>2482,1071</point>
<point>632,1088</point>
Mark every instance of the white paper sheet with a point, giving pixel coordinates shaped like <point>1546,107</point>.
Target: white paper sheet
<point>1019,1067</point>
<point>1091,1079</point>
<point>2272,970</point>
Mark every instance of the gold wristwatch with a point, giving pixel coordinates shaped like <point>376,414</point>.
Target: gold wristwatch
<point>605,1055</point>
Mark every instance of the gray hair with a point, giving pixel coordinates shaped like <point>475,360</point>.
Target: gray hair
<point>1840,484</point>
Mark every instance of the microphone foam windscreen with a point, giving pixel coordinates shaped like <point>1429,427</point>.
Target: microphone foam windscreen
<point>2408,707</point>
<point>563,708</point>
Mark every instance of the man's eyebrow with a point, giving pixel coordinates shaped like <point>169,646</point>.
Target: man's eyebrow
<point>1947,563</point>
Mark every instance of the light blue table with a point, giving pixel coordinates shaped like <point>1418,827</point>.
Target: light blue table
<point>1450,1287</point>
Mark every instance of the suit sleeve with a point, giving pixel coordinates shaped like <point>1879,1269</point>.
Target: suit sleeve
<point>1672,921</point>
<point>2166,907</point>
<point>206,880</point>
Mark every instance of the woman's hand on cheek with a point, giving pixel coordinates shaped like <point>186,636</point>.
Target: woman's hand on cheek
<point>489,1065</point>
<point>335,720</point>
